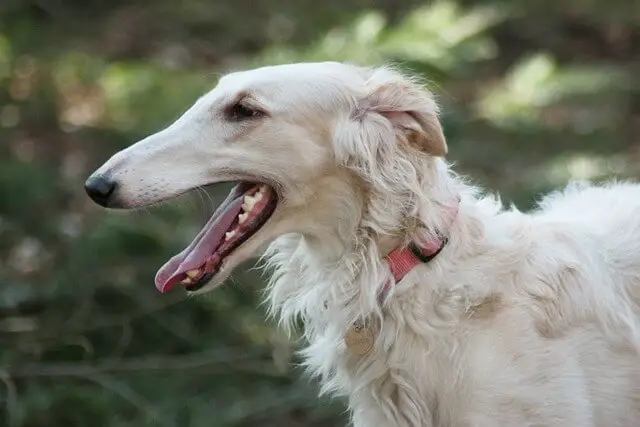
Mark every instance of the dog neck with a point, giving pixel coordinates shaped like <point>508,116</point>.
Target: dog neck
<point>308,271</point>
<point>347,268</point>
<point>330,289</point>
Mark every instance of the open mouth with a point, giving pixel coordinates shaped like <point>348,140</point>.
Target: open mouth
<point>247,209</point>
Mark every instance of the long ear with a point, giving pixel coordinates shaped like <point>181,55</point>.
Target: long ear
<point>408,107</point>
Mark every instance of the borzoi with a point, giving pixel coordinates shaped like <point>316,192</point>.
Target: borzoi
<point>424,302</point>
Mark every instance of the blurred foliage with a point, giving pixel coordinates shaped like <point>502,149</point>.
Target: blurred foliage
<point>533,94</point>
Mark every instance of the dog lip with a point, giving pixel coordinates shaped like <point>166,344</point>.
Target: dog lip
<point>206,278</point>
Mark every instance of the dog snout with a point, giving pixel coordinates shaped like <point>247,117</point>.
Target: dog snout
<point>101,189</point>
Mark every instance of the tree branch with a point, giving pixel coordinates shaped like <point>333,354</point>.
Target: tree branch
<point>227,357</point>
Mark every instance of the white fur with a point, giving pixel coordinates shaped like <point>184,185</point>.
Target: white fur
<point>522,320</point>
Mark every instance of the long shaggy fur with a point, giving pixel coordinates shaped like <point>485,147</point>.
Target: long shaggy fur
<point>522,320</point>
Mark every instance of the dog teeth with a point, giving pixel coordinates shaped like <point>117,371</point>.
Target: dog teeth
<point>187,281</point>
<point>242,217</point>
<point>263,188</point>
<point>229,234</point>
<point>193,273</point>
<point>249,203</point>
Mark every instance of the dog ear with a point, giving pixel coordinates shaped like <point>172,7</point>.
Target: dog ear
<point>392,113</point>
<point>408,107</point>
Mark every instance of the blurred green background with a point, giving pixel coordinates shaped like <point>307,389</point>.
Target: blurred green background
<point>534,93</point>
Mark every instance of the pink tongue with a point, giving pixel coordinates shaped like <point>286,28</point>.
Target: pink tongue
<point>203,246</point>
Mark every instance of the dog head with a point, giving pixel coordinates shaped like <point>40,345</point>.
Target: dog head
<point>318,149</point>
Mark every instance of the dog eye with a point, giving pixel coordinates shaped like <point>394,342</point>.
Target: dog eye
<point>240,111</point>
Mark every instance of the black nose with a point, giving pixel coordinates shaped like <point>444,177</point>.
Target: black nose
<point>100,189</point>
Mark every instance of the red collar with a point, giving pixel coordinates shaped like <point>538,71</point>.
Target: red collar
<point>403,259</point>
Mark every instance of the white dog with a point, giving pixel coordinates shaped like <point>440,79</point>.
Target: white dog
<point>424,303</point>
